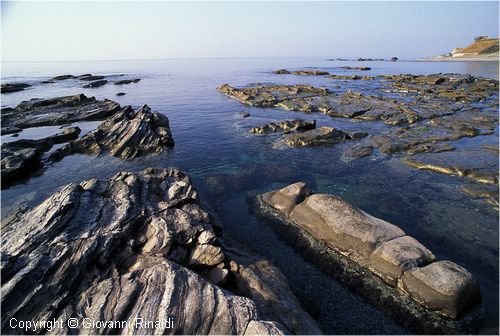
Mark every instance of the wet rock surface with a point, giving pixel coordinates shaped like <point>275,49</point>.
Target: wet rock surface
<point>126,134</point>
<point>95,84</point>
<point>127,81</point>
<point>119,249</point>
<point>286,126</point>
<point>383,249</point>
<point>22,157</point>
<point>57,111</point>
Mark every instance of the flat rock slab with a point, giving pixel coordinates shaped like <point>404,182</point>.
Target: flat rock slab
<point>442,286</point>
<point>58,111</point>
<point>13,87</point>
<point>126,135</point>
<point>321,136</point>
<point>117,250</point>
<point>22,157</point>
<point>285,125</point>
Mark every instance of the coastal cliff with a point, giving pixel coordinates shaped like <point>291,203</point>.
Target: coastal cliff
<point>482,49</point>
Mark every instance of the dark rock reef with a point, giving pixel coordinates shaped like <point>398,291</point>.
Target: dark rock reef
<point>95,84</point>
<point>127,81</point>
<point>138,246</point>
<point>13,87</point>
<point>57,111</point>
<point>320,137</point>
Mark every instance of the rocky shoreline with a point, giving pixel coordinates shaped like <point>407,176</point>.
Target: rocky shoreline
<point>142,244</point>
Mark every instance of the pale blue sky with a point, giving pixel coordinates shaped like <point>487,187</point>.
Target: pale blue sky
<point>53,31</point>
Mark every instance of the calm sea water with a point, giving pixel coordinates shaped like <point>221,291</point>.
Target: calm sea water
<point>228,165</point>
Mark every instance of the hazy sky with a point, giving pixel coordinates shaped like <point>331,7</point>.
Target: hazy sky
<point>49,31</point>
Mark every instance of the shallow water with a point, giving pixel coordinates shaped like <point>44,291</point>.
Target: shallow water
<point>228,165</point>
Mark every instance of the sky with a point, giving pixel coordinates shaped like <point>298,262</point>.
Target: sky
<point>70,31</point>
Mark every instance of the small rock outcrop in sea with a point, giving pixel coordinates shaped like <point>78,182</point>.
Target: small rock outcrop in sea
<point>63,77</point>
<point>356,68</point>
<point>301,72</point>
<point>321,136</point>
<point>57,111</point>
<point>285,126</point>
<point>373,244</point>
<point>138,247</point>
<point>89,77</point>
<point>13,87</point>
<point>96,83</point>
<point>127,81</point>
<point>126,134</point>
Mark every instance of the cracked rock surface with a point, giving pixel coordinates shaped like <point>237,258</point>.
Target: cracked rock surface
<point>121,249</point>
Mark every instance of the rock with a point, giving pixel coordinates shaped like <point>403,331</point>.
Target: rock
<point>104,250</point>
<point>396,256</point>
<point>321,136</point>
<point>57,111</point>
<point>263,328</point>
<point>351,77</point>
<point>89,77</point>
<point>361,248</point>
<point>127,81</point>
<point>343,227</point>
<point>63,77</point>
<point>96,84</point>
<point>126,135</point>
<point>357,151</point>
<point>285,125</point>
<point>120,94</point>
<point>394,59</point>
<point>243,114</point>
<point>10,130</point>
<point>21,157</point>
<point>264,283</point>
<point>281,72</point>
<point>365,59</point>
<point>68,133</point>
<point>356,68</point>
<point>310,73</point>
<point>268,96</point>
<point>477,165</point>
<point>442,286</point>
<point>13,87</point>
<point>287,198</point>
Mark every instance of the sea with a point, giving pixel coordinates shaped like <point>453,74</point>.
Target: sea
<point>229,166</point>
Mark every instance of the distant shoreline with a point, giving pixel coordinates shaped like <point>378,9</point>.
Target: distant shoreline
<point>459,59</point>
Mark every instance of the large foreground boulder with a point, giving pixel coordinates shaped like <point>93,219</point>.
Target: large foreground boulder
<point>373,244</point>
<point>127,251</point>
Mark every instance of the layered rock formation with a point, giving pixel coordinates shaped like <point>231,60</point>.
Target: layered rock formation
<point>286,126</point>
<point>58,111</point>
<point>138,246</point>
<point>126,135</point>
<point>407,267</point>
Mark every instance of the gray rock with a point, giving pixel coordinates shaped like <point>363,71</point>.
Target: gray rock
<point>127,81</point>
<point>10,130</point>
<point>321,136</point>
<point>285,125</point>
<point>21,157</point>
<point>126,135</point>
<point>95,84</point>
<point>342,226</point>
<point>13,87</point>
<point>63,77</point>
<point>89,77</point>
<point>57,111</point>
<point>121,94</point>
<point>442,286</point>
<point>287,198</point>
<point>105,250</point>
<point>394,257</point>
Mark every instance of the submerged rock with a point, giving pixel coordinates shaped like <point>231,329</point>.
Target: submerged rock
<point>321,136</point>
<point>374,245</point>
<point>285,125</point>
<point>243,114</point>
<point>13,87</point>
<point>95,84</point>
<point>126,135</point>
<point>81,253</point>
<point>58,111</point>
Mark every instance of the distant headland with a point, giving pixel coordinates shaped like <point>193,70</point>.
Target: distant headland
<point>483,48</point>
